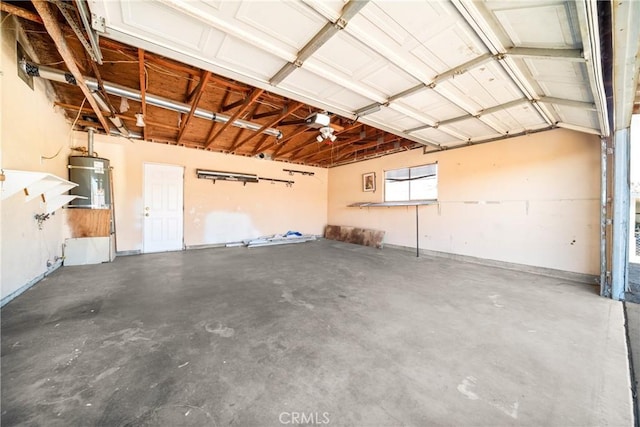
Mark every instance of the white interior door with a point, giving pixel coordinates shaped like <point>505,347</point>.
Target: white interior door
<point>163,208</point>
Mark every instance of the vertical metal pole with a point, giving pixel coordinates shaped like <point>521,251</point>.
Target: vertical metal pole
<point>417,234</point>
<point>90,132</point>
<point>112,232</point>
<point>621,209</point>
<point>605,287</point>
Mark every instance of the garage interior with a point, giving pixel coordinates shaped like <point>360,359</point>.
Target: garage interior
<point>319,212</point>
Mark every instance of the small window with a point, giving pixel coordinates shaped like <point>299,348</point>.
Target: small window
<point>416,183</point>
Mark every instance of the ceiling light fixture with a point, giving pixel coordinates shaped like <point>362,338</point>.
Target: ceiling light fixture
<point>326,133</point>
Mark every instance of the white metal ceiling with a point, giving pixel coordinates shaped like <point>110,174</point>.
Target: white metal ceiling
<point>442,73</point>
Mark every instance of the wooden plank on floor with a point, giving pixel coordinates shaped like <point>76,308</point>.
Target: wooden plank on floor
<point>359,236</point>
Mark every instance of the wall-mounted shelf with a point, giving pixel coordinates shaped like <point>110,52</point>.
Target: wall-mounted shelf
<point>292,171</point>
<point>389,204</point>
<point>415,203</point>
<point>226,176</point>
<point>287,182</point>
<point>47,187</point>
<point>240,177</point>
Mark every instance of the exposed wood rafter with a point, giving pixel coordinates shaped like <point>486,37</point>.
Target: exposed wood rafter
<point>296,149</point>
<point>233,105</point>
<point>259,144</point>
<point>288,110</point>
<point>142,73</point>
<point>214,125</point>
<point>266,114</point>
<point>185,69</point>
<point>53,28</point>
<point>121,116</point>
<point>241,131</point>
<point>187,84</point>
<point>247,102</point>
<point>332,147</point>
<point>20,12</point>
<point>353,156</point>
<point>194,104</point>
<point>357,148</point>
<point>302,129</point>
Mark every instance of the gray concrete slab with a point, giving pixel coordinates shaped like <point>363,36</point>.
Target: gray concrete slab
<point>633,330</point>
<point>325,330</point>
<point>634,282</point>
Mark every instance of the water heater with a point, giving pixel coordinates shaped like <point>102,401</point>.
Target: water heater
<point>92,176</point>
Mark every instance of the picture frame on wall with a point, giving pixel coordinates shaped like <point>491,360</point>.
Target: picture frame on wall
<point>369,181</point>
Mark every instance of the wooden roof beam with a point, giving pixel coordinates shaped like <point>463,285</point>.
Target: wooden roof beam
<point>357,148</point>
<point>194,104</point>
<point>259,144</point>
<point>233,105</point>
<point>205,144</point>
<point>53,28</point>
<point>190,92</point>
<point>121,116</point>
<point>266,114</point>
<point>331,147</point>
<point>242,130</point>
<point>167,64</point>
<point>302,129</point>
<point>20,12</point>
<point>288,110</point>
<point>248,101</point>
<point>98,76</point>
<point>297,150</point>
<point>299,147</point>
<point>142,73</point>
<point>189,70</point>
<point>404,145</point>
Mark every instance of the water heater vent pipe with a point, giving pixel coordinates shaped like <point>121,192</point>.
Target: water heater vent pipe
<point>90,132</point>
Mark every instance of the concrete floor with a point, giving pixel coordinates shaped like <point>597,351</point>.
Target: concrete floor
<point>633,327</point>
<point>634,283</point>
<point>332,331</point>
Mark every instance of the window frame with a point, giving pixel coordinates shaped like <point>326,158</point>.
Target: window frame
<point>410,179</point>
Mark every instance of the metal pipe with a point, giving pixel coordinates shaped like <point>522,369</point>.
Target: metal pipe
<point>90,132</point>
<point>485,141</point>
<point>417,234</point>
<point>132,135</point>
<point>85,16</point>
<point>54,74</point>
<point>118,123</point>
<point>621,210</point>
<point>605,289</point>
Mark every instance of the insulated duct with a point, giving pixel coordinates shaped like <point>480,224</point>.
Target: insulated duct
<point>117,122</point>
<point>54,74</point>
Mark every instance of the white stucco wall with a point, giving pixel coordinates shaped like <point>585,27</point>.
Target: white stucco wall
<point>214,213</point>
<point>32,130</point>
<point>529,200</point>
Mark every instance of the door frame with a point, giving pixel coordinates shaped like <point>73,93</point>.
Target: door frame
<point>144,188</point>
